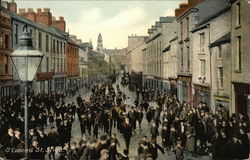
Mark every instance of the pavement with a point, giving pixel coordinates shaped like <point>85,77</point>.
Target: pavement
<point>145,130</point>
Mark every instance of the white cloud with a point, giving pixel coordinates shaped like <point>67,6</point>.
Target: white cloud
<point>115,29</point>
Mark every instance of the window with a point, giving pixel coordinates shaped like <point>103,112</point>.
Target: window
<point>54,68</point>
<point>203,68</point>
<point>6,66</point>
<point>47,64</point>
<point>61,47</point>
<point>1,39</point>
<point>219,52</point>
<point>16,34</point>
<point>58,65</point>
<point>6,41</point>
<point>30,32</point>
<point>238,54</point>
<point>182,60</point>
<point>181,30</point>
<point>188,61</point>
<point>47,43</point>
<point>57,46</point>
<point>40,41</point>
<point>220,76</point>
<point>54,46</point>
<point>238,14</point>
<point>202,42</point>
<point>187,27</point>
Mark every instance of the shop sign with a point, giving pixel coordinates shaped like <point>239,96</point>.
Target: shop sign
<point>185,78</point>
<point>225,99</point>
<point>202,88</point>
<point>42,76</point>
<point>150,77</point>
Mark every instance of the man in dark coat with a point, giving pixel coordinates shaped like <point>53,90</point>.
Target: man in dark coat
<point>153,149</point>
<point>127,131</point>
<point>8,142</point>
<point>37,153</point>
<point>244,142</point>
<point>64,132</point>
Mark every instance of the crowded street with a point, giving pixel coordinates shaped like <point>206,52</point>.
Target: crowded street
<point>74,132</point>
<point>145,130</point>
<point>124,80</point>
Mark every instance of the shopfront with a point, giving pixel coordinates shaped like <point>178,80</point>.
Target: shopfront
<point>42,81</point>
<point>242,98</point>
<point>173,86</point>
<point>202,94</point>
<point>221,101</point>
<point>184,88</point>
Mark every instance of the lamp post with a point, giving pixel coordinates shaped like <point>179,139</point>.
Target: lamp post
<point>26,61</point>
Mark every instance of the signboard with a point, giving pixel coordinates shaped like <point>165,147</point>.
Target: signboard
<point>42,76</point>
<point>202,88</point>
<point>226,99</point>
<point>185,78</point>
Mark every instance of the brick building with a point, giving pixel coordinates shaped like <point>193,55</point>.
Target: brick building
<point>72,59</point>
<point>49,38</point>
<point>6,88</point>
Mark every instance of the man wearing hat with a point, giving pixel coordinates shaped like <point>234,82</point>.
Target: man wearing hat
<point>36,152</point>
<point>7,142</point>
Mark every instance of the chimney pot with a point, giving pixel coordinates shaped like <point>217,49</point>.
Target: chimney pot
<point>46,9</point>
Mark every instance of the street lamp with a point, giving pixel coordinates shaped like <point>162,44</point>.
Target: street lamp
<point>26,61</point>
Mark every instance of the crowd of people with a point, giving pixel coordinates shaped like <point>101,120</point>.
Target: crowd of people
<point>174,127</point>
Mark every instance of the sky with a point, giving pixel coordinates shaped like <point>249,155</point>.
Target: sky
<point>115,20</point>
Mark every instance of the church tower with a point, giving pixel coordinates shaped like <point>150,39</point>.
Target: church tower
<point>99,44</point>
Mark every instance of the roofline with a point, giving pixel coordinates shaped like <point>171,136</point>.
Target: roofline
<point>192,9</point>
<point>154,37</point>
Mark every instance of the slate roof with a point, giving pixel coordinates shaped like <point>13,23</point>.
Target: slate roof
<point>224,39</point>
<point>31,23</point>
<point>168,19</point>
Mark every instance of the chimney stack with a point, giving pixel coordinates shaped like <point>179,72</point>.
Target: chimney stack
<point>12,6</point>
<point>44,17</point>
<point>193,3</point>
<point>30,14</point>
<point>60,24</point>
